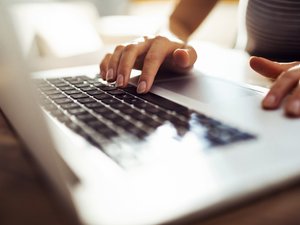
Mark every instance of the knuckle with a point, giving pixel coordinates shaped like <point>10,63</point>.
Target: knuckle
<point>289,76</point>
<point>107,57</point>
<point>130,48</point>
<point>119,48</point>
<point>160,38</point>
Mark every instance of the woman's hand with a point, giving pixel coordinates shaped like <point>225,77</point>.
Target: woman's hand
<point>286,84</point>
<point>148,55</point>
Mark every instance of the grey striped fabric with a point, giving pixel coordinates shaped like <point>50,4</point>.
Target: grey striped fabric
<point>273,28</point>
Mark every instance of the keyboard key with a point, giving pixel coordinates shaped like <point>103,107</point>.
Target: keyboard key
<point>97,125</point>
<point>107,88</point>
<point>152,123</point>
<point>77,111</point>
<point>87,89</point>
<point>124,96</point>
<point>86,117</point>
<point>139,116</point>
<point>57,96</point>
<point>102,110</point>
<point>73,126</point>
<point>76,82</point>
<point>82,85</point>
<point>108,132</point>
<point>67,88</point>
<point>71,105</point>
<point>95,92</point>
<point>141,104</point>
<point>73,91</point>
<point>116,92</point>
<point>102,96</point>
<point>110,115</point>
<point>123,123</point>
<point>78,96</point>
<point>62,84</point>
<point>94,105</point>
<point>128,110</point>
<point>110,101</point>
<point>152,109</point>
<point>86,100</point>
<point>165,116</point>
<point>55,80</point>
<point>133,101</point>
<point>119,105</point>
<point>137,132</point>
<point>64,100</point>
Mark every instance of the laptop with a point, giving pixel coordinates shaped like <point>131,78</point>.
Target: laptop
<point>194,146</point>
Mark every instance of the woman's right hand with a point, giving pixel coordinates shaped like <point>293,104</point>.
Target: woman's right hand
<point>148,55</point>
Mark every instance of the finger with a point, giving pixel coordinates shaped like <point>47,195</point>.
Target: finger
<point>104,65</point>
<point>285,83</point>
<point>128,60</point>
<point>183,59</point>
<point>113,63</point>
<point>269,68</point>
<point>161,47</point>
<point>292,107</point>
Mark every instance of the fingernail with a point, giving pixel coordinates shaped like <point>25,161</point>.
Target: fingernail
<point>270,101</point>
<point>141,87</point>
<point>120,80</point>
<point>110,74</point>
<point>294,108</point>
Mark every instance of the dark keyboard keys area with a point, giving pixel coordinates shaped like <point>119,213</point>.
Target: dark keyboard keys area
<point>100,112</point>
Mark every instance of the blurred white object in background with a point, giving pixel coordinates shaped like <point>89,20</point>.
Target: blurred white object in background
<point>124,29</point>
<point>60,29</point>
<point>111,7</point>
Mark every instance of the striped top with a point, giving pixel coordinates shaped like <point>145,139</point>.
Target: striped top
<point>273,29</point>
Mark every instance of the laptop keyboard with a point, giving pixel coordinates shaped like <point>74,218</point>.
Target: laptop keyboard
<point>105,115</point>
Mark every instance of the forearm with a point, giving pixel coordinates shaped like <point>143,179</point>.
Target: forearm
<point>188,15</point>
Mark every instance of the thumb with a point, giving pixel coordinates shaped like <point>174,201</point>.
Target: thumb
<point>269,68</point>
<point>184,58</point>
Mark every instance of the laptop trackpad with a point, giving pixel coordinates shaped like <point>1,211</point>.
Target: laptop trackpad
<point>204,88</point>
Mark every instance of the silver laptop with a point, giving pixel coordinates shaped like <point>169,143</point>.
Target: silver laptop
<point>193,146</point>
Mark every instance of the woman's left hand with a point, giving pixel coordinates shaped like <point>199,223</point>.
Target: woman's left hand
<point>286,84</point>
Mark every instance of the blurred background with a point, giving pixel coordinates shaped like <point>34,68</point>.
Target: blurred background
<point>65,33</point>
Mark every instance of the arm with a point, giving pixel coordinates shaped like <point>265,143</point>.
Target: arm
<point>188,15</point>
